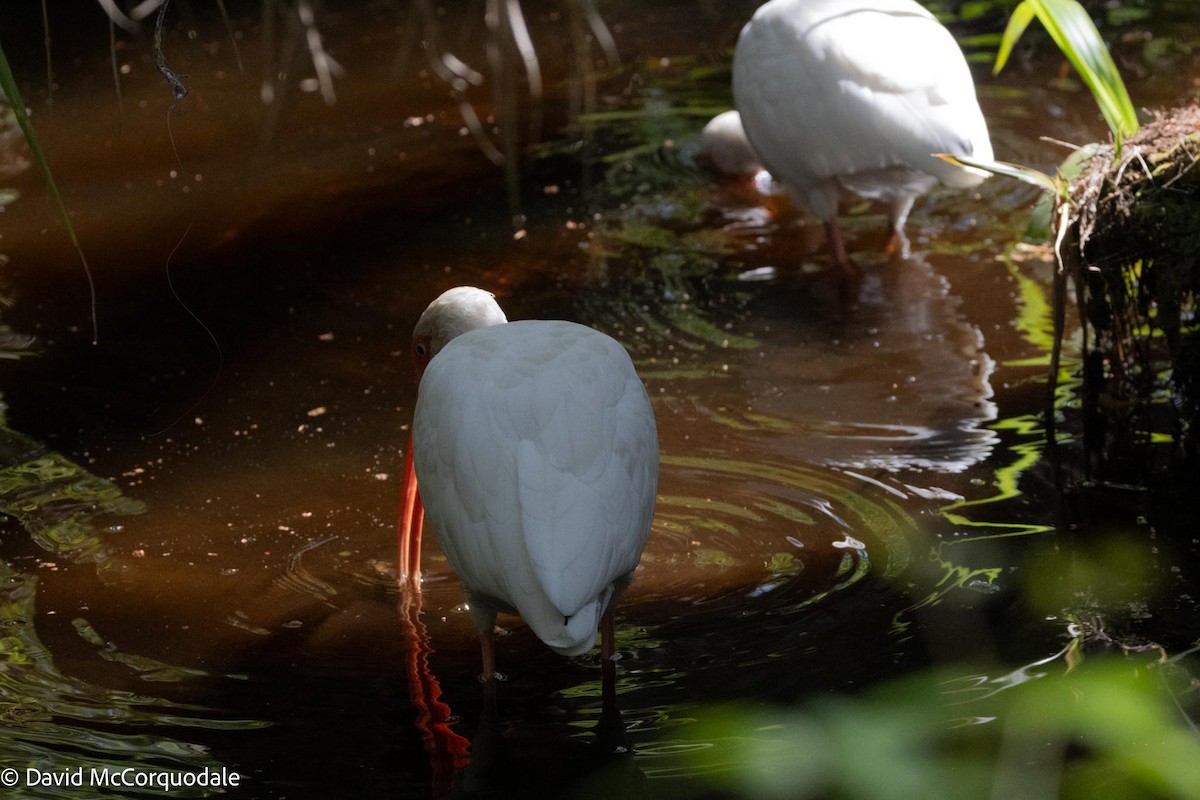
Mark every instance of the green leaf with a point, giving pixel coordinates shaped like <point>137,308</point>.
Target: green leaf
<point>1010,170</point>
<point>1021,17</point>
<point>8,85</point>
<point>1076,36</point>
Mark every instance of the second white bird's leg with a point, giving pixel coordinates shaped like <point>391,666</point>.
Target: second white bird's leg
<point>897,245</point>
<point>837,248</point>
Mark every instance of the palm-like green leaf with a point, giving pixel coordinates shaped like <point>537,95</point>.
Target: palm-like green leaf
<point>1075,34</point>
<point>1008,169</point>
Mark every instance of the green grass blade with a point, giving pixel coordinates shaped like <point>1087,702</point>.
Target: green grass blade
<point>8,85</point>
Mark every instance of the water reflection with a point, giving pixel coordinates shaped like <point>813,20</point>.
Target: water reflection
<point>54,721</point>
<point>58,723</point>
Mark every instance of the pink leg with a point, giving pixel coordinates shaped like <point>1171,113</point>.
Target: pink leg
<point>897,246</point>
<point>837,247</point>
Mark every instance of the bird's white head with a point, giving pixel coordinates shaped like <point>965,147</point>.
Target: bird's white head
<point>723,144</point>
<point>454,312</point>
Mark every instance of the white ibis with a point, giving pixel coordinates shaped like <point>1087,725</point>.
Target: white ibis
<point>857,95</point>
<point>536,453</point>
<point>724,145</point>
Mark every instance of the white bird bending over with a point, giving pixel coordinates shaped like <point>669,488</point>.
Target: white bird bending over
<point>725,149</point>
<point>857,95</point>
<point>724,145</point>
<point>536,453</point>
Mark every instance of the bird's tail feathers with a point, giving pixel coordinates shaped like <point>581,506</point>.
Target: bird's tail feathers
<point>573,635</point>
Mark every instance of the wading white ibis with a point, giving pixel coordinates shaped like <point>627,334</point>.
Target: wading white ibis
<point>536,453</point>
<point>857,95</point>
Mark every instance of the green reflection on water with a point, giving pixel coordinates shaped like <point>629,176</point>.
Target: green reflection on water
<point>1007,479</point>
<point>55,500</point>
<point>846,503</point>
<point>955,575</point>
<point>54,722</point>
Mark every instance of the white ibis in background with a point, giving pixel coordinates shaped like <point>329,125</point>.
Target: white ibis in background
<point>857,95</point>
<point>724,145</point>
<point>536,454</point>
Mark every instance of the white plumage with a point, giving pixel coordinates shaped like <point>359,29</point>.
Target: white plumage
<point>856,95</point>
<point>536,454</point>
<point>724,145</point>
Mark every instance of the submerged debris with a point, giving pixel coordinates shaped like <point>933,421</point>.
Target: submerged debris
<point>1133,250</point>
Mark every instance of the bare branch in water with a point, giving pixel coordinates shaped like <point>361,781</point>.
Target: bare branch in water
<point>475,126</point>
<point>323,63</point>
<point>178,89</point>
<point>509,39</point>
<point>117,16</point>
<point>455,68</point>
<point>237,53</point>
<point>146,8</point>
<point>275,72</point>
<point>116,71</point>
<point>533,71</point>
<point>266,92</point>
<point>49,62</point>
<point>457,75</point>
<point>500,35</point>
<point>581,87</point>
<point>603,36</point>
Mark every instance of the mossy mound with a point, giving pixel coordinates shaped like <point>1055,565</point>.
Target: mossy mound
<point>1134,254</point>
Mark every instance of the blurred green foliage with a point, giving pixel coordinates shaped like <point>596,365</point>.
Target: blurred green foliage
<point>1109,730</point>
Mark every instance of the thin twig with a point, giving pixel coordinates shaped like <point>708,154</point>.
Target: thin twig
<point>49,61</point>
<point>237,53</point>
<point>116,72</point>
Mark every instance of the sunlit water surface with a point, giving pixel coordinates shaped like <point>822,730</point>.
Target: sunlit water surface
<point>198,565</point>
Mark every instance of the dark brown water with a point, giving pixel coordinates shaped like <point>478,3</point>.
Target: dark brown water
<point>198,540</point>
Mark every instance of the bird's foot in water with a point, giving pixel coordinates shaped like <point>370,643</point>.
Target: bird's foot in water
<point>851,275</point>
<point>611,737</point>
<point>897,246</point>
<point>493,679</point>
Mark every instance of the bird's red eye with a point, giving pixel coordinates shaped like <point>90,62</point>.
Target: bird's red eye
<point>422,350</point>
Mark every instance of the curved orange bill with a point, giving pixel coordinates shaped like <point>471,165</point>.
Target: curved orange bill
<point>412,518</point>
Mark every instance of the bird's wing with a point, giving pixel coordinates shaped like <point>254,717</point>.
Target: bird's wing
<point>913,105</point>
<point>828,89</point>
<point>587,467</point>
<point>537,461</point>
